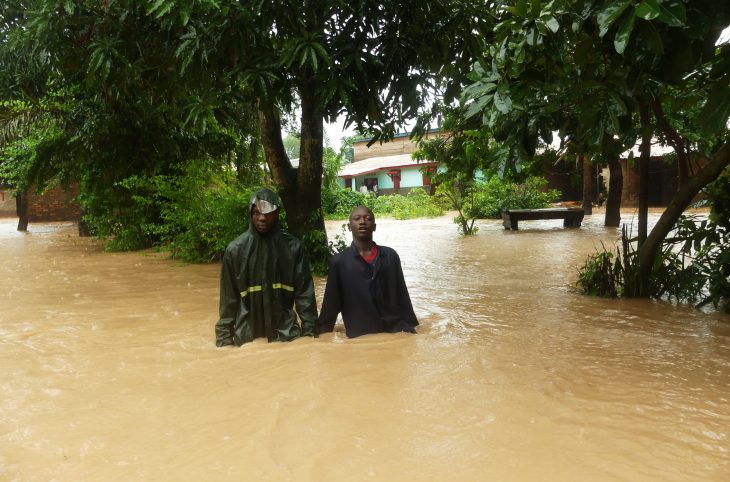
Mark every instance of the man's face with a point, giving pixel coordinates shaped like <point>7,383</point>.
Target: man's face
<point>362,223</point>
<point>263,222</point>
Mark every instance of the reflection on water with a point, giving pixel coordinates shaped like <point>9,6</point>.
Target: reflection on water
<point>110,371</point>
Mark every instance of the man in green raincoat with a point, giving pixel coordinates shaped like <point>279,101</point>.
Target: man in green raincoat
<point>264,275</point>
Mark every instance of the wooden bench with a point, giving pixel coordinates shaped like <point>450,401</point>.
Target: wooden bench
<point>572,217</point>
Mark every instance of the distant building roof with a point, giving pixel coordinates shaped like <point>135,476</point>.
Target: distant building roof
<point>395,136</point>
<point>374,164</point>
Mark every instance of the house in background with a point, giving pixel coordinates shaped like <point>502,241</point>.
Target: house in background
<point>389,166</point>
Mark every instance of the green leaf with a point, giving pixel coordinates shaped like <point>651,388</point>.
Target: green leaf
<point>652,39</point>
<point>617,104</point>
<point>715,113</point>
<point>615,123</point>
<point>155,6</point>
<point>648,10</point>
<point>624,33</point>
<point>673,13</point>
<point>477,106</point>
<point>520,9</point>
<point>552,23</point>
<point>184,16</point>
<point>68,6</point>
<point>535,10</point>
<point>322,53</point>
<point>610,14</point>
<point>502,100</point>
<point>164,9</point>
<point>313,56</point>
<point>477,89</point>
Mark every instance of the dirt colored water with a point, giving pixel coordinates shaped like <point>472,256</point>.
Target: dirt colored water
<point>110,372</point>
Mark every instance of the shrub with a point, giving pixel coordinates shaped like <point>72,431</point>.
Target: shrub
<point>496,195</point>
<point>338,203</point>
<point>692,266</point>
<point>192,214</point>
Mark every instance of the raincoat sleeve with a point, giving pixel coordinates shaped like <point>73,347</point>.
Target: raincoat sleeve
<point>230,301</point>
<point>304,300</point>
<point>331,304</point>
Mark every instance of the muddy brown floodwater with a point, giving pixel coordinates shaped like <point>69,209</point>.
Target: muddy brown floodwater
<point>110,371</point>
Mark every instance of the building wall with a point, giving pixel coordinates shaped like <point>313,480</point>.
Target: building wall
<point>662,182</point>
<point>384,181</point>
<point>54,205</point>
<point>411,177</point>
<point>7,203</point>
<point>400,144</point>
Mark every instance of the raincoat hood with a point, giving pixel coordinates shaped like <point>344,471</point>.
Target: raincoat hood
<point>266,200</point>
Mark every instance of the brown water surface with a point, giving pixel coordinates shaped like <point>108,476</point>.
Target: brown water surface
<point>109,371</point>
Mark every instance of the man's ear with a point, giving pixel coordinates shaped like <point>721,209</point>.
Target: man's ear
<point>374,226</point>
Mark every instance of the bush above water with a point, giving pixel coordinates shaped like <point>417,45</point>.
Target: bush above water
<point>494,196</point>
<point>338,203</point>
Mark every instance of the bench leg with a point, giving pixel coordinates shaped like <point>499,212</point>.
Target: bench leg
<point>571,222</point>
<point>509,223</point>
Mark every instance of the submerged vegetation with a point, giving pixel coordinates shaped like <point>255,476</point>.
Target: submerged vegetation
<point>693,265</point>
<point>338,202</point>
<point>482,200</point>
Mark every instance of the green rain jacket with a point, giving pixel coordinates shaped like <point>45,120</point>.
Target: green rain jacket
<point>262,278</point>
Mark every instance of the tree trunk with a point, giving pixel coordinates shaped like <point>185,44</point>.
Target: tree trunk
<point>21,208</point>
<point>587,184</point>
<point>311,150</point>
<point>615,188</point>
<point>282,172</point>
<point>708,173</point>
<point>675,140</point>
<point>645,155</point>
<point>84,229</point>
<point>300,189</point>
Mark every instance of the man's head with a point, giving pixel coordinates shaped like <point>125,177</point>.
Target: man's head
<point>264,209</point>
<point>362,223</point>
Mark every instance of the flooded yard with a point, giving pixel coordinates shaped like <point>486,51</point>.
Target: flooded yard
<point>110,371</point>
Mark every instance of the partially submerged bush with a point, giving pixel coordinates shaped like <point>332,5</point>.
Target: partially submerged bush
<point>496,195</point>
<point>338,203</point>
<point>193,214</point>
<point>692,266</point>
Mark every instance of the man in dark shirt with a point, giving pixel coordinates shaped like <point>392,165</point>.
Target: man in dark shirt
<point>366,285</point>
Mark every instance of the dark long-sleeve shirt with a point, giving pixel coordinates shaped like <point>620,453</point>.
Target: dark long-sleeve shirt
<point>372,297</point>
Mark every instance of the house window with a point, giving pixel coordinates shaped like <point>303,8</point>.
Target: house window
<point>348,183</point>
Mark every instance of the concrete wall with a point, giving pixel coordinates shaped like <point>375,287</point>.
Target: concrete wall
<point>411,177</point>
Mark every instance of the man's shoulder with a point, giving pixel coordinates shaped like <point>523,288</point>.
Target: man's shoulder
<point>342,256</point>
<point>237,243</point>
<point>387,250</point>
<point>290,239</point>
